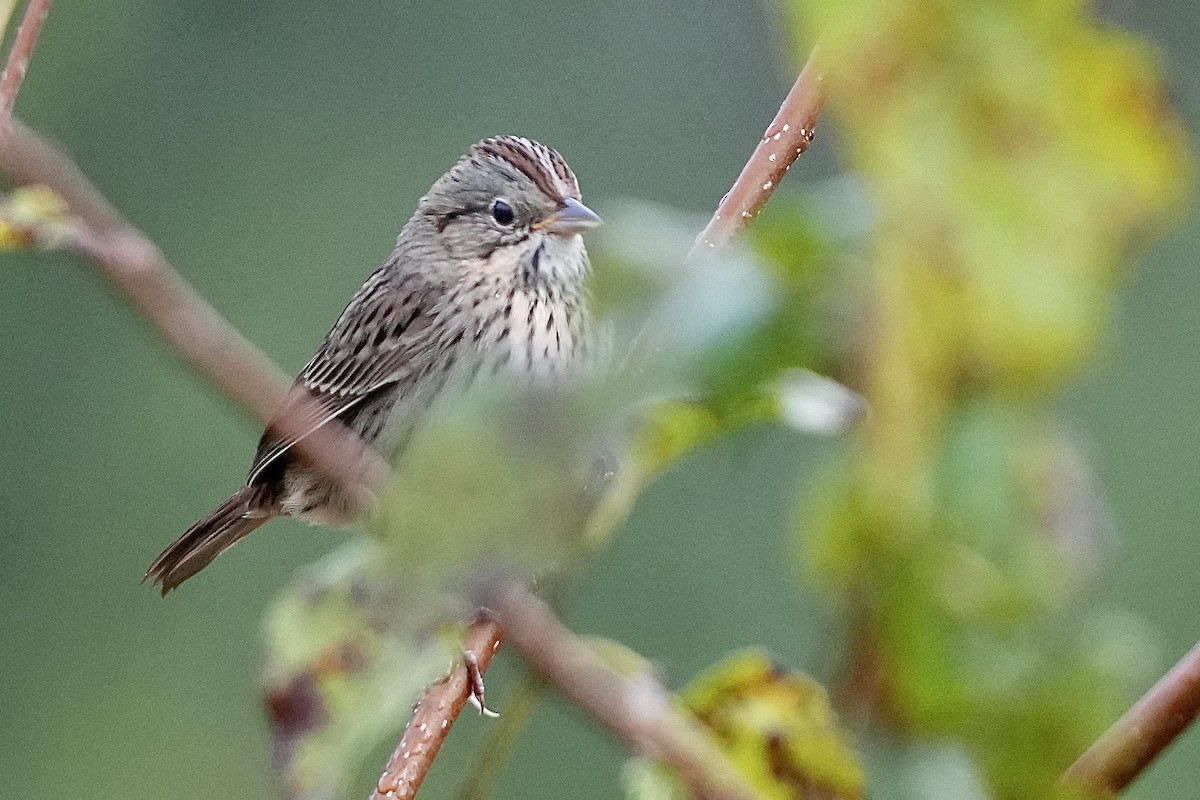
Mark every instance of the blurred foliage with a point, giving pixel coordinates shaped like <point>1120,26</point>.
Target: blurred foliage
<point>1014,153</point>
<point>498,481</point>
<point>503,479</point>
<point>796,260</point>
<point>340,675</point>
<point>33,216</point>
<point>720,330</point>
<point>776,727</point>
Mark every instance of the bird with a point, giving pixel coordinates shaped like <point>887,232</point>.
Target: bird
<point>487,276</point>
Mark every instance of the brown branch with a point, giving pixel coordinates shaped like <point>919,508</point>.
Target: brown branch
<point>1136,739</point>
<point>204,339</point>
<point>637,709</point>
<point>18,58</point>
<point>192,327</point>
<point>431,721</point>
<point>137,268</point>
<point>785,140</point>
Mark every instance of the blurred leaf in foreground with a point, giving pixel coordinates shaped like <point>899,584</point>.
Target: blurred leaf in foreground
<point>1016,155</point>
<point>339,677</point>
<point>776,727</point>
<point>718,330</point>
<point>503,480</point>
<point>33,216</point>
<point>500,480</point>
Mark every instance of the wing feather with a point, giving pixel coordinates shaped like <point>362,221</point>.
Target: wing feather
<point>371,346</point>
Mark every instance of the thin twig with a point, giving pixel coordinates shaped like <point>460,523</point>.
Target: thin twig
<point>785,140</point>
<point>431,721</point>
<point>192,327</point>
<point>1136,739</point>
<point>18,58</point>
<point>637,709</point>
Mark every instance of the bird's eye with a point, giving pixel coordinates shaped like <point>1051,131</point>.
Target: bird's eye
<point>502,212</point>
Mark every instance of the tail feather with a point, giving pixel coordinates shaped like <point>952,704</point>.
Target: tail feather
<point>207,539</point>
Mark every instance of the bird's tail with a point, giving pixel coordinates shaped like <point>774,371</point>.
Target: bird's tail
<point>207,539</point>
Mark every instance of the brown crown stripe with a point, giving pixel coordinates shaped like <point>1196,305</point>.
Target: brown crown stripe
<point>535,160</point>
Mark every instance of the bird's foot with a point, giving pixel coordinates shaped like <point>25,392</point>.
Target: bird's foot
<point>475,682</point>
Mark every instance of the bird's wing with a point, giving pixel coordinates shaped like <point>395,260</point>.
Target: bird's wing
<point>372,345</point>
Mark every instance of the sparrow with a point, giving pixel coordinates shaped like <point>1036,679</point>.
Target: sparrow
<point>488,276</point>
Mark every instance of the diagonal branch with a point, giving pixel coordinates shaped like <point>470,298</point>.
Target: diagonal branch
<point>637,709</point>
<point>188,323</point>
<point>431,721</point>
<point>785,140</point>
<point>1143,733</point>
<point>7,7</point>
<point>18,58</point>
<point>131,261</point>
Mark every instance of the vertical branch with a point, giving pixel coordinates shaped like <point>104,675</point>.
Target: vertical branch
<point>18,58</point>
<point>1145,731</point>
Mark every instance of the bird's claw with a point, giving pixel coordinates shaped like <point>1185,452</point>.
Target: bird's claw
<point>475,683</point>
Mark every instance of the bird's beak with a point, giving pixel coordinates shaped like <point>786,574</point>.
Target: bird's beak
<point>574,217</point>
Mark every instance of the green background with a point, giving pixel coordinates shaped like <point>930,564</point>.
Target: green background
<point>273,150</point>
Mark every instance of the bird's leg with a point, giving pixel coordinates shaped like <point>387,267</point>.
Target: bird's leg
<point>475,679</point>
<point>475,675</point>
